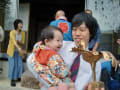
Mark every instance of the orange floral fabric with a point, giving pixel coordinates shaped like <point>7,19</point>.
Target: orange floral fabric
<point>43,55</point>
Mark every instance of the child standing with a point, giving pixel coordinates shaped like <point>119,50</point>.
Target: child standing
<point>46,62</point>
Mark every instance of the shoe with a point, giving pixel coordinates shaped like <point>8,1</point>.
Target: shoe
<point>13,83</point>
<point>19,79</point>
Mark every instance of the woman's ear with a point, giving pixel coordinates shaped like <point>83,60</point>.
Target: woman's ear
<point>46,41</point>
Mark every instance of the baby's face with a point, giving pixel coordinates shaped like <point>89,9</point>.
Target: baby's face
<point>57,42</point>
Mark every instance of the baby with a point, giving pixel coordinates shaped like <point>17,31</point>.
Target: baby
<point>46,62</point>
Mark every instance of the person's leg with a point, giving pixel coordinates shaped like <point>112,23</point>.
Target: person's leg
<point>11,70</point>
<point>20,68</point>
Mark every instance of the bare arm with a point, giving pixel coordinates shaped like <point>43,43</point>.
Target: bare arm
<point>95,47</point>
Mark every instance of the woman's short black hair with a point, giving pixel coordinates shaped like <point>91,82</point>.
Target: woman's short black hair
<point>16,22</point>
<point>89,21</point>
<point>48,33</point>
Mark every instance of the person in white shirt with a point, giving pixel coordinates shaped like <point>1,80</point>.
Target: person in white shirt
<point>84,27</point>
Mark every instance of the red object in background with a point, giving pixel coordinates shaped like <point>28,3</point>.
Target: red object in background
<point>64,27</point>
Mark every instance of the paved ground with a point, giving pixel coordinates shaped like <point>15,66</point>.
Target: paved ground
<point>5,82</point>
<point>5,85</point>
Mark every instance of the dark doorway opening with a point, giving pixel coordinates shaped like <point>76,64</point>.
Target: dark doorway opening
<point>42,13</point>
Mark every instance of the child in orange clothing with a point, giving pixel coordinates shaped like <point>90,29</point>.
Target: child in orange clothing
<point>47,62</point>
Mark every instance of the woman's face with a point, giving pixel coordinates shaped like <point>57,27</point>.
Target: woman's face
<point>81,33</point>
<point>20,26</point>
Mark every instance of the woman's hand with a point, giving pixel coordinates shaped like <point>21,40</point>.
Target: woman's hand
<point>22,51</point>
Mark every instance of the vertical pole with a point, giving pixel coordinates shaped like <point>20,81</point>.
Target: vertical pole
<point>17,5</point>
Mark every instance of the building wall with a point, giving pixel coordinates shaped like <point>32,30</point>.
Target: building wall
<point>11,13</point>
<point>107,12</point>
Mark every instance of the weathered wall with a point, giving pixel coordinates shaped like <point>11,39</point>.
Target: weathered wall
<point>107,12</point>
<point>11,13</point>
<point>24,11</point>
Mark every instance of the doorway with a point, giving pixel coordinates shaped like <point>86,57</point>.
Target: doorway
<point>42,12</point>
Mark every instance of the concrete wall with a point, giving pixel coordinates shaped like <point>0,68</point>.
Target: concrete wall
<point>11,13</point>
<point>107,12</point>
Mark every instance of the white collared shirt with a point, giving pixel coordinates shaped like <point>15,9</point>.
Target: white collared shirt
<point>85,72</point>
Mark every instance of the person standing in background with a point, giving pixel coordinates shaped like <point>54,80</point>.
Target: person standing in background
<point>1,39</point>
<point>62,23</point>
<point>15,52</point>
<point>1,34</point>
<point>94,43</point>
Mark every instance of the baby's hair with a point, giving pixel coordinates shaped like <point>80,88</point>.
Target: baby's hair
<point>48,33</point>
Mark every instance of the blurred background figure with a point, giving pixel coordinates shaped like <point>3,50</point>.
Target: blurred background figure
<point>94,43</point>
<point>62,22</point>
<point>1,39</point>
<point>15,52</point>
<point>1,34</point>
